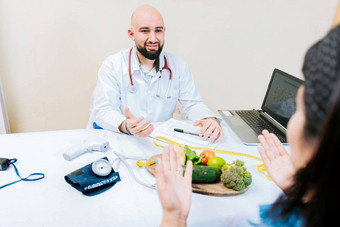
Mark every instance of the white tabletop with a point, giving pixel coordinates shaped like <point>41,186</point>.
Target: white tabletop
<point>53,202</point>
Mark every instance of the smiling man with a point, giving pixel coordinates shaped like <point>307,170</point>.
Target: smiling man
<point>143,84</point>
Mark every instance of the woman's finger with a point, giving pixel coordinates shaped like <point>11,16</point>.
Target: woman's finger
<point>173,158</point>
<point>282,151</point>
<point>273,149</point>
<point>179,163</point>
<point>160,172</point>
<point>263,155</point>
<point>188,172</point>
<point>165,160</point>
<point>265,147</point>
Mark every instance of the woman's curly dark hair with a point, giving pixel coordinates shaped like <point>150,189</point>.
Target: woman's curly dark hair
<point>313,192</point>
<point>321,70</point>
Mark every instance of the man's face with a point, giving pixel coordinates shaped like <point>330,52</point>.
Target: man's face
<point>147,31</point>
<point>150,42</point>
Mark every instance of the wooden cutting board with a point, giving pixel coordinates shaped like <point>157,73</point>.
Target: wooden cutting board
<point>212,189</point>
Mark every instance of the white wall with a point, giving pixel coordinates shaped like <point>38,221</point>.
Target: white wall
<point>51,50</point>
<point>4,125</point>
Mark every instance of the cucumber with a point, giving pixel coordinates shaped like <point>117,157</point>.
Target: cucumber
<point>204,174</point>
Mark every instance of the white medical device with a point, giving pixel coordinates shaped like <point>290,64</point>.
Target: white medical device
<point>101,167</point>
<point>92,143</point>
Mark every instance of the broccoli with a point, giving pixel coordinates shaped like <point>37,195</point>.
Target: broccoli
<point>236,176</point>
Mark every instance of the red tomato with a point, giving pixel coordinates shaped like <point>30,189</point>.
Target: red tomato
<point>207,154</point>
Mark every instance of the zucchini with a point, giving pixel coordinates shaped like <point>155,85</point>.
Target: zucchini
<point>204,174</point>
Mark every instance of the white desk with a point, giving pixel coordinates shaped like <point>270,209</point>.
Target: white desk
<point>53,202</point>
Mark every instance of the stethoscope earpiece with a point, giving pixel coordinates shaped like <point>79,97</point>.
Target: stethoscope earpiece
<point>101,168</point>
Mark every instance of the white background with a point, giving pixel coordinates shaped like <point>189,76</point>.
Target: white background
<point>51,50</point>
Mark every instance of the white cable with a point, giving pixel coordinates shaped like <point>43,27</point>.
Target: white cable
<point>121,158</point>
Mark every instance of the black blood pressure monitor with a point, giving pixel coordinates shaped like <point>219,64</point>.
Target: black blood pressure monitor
<point>93,178</point>
<point>4,163</point>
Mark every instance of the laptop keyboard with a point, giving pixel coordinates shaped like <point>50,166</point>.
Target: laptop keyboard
<point>258,124</point>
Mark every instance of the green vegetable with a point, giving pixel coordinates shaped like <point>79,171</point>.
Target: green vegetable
<point>200,161</point>
<point>192,156</point>
<point>204,174</point>
<point>236,176</point>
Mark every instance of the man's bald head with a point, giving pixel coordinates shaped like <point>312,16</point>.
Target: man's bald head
<point>144,15</point>
<point>147,31</point>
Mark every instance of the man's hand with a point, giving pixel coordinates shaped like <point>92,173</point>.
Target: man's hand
<point>134,125</point>
<point>276,160</point>
<point>210,129</point>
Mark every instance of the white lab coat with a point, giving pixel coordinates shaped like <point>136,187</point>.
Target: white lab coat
<point>112,95</point>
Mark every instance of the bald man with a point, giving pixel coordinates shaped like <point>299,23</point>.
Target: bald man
<point>142,84</point>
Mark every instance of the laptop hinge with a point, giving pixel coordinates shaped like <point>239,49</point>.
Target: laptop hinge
<point>274,122</point>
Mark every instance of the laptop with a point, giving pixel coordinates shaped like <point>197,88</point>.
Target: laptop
<point>277,108</point>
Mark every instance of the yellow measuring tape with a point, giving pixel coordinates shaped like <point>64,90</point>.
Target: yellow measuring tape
<point>141,163</point>
<point>260,167</point>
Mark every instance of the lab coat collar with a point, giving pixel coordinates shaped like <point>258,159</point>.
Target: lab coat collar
<point>135,64</point>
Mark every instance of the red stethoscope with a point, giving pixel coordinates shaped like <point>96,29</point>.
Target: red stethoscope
<point>133,89</point>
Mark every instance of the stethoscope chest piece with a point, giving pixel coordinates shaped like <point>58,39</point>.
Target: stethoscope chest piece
<point>101,168</point>
<point>132,89</point>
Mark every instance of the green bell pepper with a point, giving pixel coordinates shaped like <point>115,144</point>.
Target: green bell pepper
<point>192,156</point>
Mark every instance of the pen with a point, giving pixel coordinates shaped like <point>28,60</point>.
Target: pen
<point>187,132</point>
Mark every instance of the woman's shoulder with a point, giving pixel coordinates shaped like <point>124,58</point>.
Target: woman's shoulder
<point>270,217</point>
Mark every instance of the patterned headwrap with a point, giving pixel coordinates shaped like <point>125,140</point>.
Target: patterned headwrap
<point>321,70</point>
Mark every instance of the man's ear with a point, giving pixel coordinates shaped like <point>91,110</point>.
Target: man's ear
<point>130,34</point>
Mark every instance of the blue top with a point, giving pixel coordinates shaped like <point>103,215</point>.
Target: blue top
<point>293,220</point>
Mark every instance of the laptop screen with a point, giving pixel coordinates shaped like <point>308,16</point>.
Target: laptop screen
<point>279,100</point>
